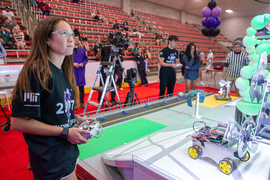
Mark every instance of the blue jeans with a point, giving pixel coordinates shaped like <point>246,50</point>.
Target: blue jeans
<point>44,11</point>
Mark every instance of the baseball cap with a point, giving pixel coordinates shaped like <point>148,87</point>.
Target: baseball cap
<point>3,25</point>
<point>7,7</point>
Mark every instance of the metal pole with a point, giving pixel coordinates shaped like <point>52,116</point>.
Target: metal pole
<point>197,107</point>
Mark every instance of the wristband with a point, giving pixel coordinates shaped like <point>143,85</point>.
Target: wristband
<point>64,133</point>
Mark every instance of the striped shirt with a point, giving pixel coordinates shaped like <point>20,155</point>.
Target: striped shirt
<point>236,62</point>
<point>19,37</point>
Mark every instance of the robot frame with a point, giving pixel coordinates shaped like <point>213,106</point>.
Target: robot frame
<point>233,140</point>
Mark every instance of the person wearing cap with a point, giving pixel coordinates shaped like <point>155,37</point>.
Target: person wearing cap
<point>235,60</point>
<point>45,8</point>
<point>6,37</point>
<point>8,13</point>
<point>201,56</point>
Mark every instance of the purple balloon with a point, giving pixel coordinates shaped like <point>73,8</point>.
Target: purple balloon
<point>218,21</point>
<point>206,12</point>
<point>216,11</point>
<point>204,22</point>
<point>211,21</point>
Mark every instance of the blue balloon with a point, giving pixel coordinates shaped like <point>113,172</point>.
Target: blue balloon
<point>218,21</point>
<point>204,22</point>
<point>211,21</point>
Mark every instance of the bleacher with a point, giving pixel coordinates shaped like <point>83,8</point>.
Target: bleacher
<point>77,14</point>
<point>186,32</point>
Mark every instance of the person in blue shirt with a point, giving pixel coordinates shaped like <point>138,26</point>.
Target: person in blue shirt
<point>3,54</point>
<point>192,62</point>
<point>140,66</point>
<point>125,25</point>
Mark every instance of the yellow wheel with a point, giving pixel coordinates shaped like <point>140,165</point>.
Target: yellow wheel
<point>193,152</point>
<point>225,166</point>
<point>246,157</point>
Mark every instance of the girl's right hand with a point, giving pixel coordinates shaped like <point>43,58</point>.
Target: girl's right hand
<point>75,136</point>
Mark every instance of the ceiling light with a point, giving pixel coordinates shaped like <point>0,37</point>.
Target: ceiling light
<point>229,11</point>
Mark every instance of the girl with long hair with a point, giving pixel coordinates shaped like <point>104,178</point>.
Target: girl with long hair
<point>192,62</point>
<point>43,102</point>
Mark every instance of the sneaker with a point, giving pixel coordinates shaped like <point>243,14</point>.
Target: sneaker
<point>202,84</point>
<point>82,105</point>
<point>113,102</point>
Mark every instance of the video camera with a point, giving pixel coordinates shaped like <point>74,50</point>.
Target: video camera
<point>117,40</point>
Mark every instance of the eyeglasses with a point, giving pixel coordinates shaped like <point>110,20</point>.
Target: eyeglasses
<point>65,33</point>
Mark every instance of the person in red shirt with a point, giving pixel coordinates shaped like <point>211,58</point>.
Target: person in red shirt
<point>45,8</point>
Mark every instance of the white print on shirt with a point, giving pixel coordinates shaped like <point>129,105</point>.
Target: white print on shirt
<point>32,97</point>
<point>161,53</point>
<point>171,58</point>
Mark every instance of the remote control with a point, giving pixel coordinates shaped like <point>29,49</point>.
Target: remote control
<point>94,127</point>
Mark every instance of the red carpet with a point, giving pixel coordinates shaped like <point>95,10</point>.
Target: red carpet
<point>14,153</point>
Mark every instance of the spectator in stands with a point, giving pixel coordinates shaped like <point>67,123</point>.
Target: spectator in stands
<point>84,42</point>
<point>94,15</point>
<point>104,39</point>
<point>35,3</point>
<point>138,57</point>
<point>136,32</point>
<point>125,25</point>
<point>168,61</point>
<point>116,24</point>
<point>19,38</point>
<point>201,56</point>
<point>3,54</point>
<point>193,65</point>
<point>135,49</point>
<point>235,60</point>
<point>80,60</point>
<point>8,13</point>
<point>10,25</point>
<point>6,37</point>
<point>159,39</point>
<point>181,54</point>
<point>47,120</point>
<point>45,8</point>
<point>96,47</point>
<point>76,1</point>
<point>103,19</point>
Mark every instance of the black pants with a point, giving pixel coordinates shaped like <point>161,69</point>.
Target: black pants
<point>119,73</point>
<point>10,44</point>
<point>167,80</point>
<point>81,90</point>
<point>142,74</point>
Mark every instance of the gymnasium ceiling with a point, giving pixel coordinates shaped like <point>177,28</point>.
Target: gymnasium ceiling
<point>241,8</point>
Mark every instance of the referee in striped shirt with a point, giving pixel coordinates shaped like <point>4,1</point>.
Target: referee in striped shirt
<point>235,60</point>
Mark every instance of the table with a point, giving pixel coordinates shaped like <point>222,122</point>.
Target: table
<point>3,85</point>
<point>213,76</point>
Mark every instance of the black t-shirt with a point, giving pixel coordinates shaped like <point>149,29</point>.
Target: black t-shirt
<point>139,58</point>
<point>159,37</point>
<point>105,52</point>
<point>96,47</point>
<point>170,56</point>
<point>84,39</point>
<point>51,157</point>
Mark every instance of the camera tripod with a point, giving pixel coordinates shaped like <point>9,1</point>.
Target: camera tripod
<point>132,96</point>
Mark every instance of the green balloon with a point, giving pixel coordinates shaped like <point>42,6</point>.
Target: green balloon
<point>246,72</point>
<point>256,58</point>
<point>258,22</point>
<point>244,92</point>
<point>246,98</point>
<point>250,41</point>
<point>266,73</point>
<point>250,49</point>
<point>241,83</point>
<point>259,42</point>
<point>255,66</point>
<point>261,48</point>
<point>264,41</point>
<point>251,31</point>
